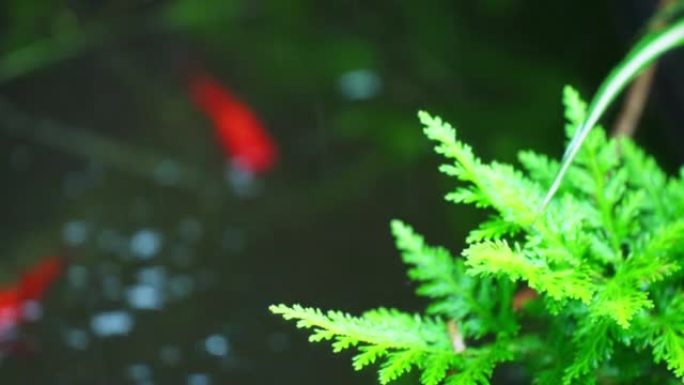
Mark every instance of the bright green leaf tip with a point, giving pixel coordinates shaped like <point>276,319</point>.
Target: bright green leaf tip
<point>646,51</point>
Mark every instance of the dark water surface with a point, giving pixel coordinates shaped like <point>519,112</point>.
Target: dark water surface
<point>173,257</point>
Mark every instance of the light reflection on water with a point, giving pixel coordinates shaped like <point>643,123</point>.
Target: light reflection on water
<point>159,287</point>
<point>199,379</point>
<point>120,283</point>
<point>145,243</point>
<point>112,323</point>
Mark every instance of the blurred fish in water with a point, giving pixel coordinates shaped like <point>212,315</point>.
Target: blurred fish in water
<point>240,132</point>
<point>10,309</point>
<point>35,281</point>
<point>19,302</point>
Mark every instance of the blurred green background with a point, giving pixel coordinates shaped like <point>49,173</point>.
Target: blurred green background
<point>108,164</point>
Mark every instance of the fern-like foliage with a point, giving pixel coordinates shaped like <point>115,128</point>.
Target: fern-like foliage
<point>400,342</point>
<point>578,293</point>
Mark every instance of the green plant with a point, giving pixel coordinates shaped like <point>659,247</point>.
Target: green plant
<point>642,55</point>
<point>586,291</point>
<point>605,259</point>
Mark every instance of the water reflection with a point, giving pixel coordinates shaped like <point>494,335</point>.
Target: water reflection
<point>177,242</point>
<point>216,345</point>
<point>140,373</point>
<point>141,276</point>
<point>360,84</point>
<point>145,243</point>
<point>112,323</point>
<point>75,232</point>
<point>199,379</point>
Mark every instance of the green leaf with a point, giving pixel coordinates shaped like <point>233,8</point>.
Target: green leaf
<point>666,333</point>
<point>499,258</point>
<point>593,345</point>
<point>646,51</point>
<point>434,267</point>
<point>398,364</point>
<point>436,368</point>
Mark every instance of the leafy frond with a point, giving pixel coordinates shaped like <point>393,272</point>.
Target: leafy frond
<point>479,368</point>
<point>593,345</point>
<point>454,293</point>
<point>439,274</point>
<point>665,333</point>
<point>499,258</point>
<point>399,342</point>
<point>601,267</point>
<point>382,327</point>
<point>620,303</point>
<point>575,110</point>
<point>494,185</point>
<point>539,167</point>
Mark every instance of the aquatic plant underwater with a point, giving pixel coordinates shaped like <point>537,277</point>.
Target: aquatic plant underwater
<point>584,287</point>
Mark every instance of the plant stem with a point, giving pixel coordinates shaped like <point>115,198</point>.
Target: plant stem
<point>637,95</point>
<point>634,103</point>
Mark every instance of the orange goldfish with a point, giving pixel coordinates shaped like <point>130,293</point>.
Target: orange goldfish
<point>30,287</point>
<point>240,132</point>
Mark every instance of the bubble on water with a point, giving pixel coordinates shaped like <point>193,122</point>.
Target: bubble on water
<point>199,379</point>
<point>75,233</point>
<point>216,345</point>
<point>112,323</point>
<point>145,297</point>
<point>8,325</point>
<point>359,84</point>
<point>145,243</point>
<point>170,355</point>
<point>32,311</point>
<point>139,372</point>
<point>148,293</point>
<point>167,172</point>
<point>242,181</point>
<point>77,339</point>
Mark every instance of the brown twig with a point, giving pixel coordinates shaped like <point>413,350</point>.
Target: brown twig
<point>522,297</point>
<point>635,101</point>
<point>457,341</point>
<point>637,95</point>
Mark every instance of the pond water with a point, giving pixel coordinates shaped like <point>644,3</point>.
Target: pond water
<point>172,253</point>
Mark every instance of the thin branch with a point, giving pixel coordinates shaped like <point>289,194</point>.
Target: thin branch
<point>635,101</point>
<point>457,340</point>
<point>637,95</point>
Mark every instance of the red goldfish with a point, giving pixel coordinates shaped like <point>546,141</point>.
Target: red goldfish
<point>30,288</point>
<point>240,132</point>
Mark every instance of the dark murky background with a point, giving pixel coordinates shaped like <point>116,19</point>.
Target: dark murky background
<point>173,258</point>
